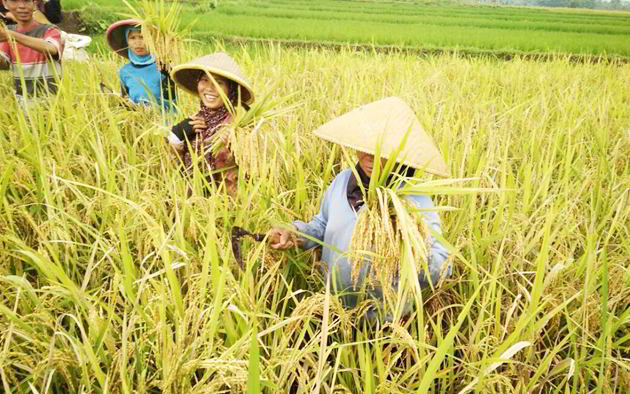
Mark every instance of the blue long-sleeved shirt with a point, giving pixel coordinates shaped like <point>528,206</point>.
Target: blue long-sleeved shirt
<point>334,226</point>
<point>145,84</point>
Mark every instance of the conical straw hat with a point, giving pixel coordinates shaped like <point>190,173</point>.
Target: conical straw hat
<point>220,63</point>
<point>386,121</point>
<point>115,36</point>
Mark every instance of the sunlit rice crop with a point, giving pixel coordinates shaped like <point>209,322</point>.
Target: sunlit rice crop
<point>113,279</point>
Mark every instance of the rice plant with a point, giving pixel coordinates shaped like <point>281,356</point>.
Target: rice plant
<point>114,280</point>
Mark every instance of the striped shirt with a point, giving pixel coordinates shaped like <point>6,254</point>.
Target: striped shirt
<point>40,71</point>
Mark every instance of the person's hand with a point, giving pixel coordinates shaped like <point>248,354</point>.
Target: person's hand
<point>164,68</point>
<point>9,16</point>
<point>280,238</point>
<point>198,124</point>
<point>4,35</point>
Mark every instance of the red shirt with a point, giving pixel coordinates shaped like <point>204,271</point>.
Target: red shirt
<point>40,71</point>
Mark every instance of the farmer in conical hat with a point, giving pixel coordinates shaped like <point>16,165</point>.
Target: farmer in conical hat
<point>219,83</point>
<point>385,122</point>
<point>144,80</point>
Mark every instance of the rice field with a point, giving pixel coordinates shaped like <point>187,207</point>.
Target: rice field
<point>426,25</point>
<point>114,280</point>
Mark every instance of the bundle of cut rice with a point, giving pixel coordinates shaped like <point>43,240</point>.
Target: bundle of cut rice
<point>388,233</point>
<point>161,28</point>
<point>251,135</point>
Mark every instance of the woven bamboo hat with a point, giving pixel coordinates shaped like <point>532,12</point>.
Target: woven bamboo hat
<point>386,121</point>
<point>115,36</point>
<point>220,63</point>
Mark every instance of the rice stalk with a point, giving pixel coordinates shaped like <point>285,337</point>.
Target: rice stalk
<point>162,30</point>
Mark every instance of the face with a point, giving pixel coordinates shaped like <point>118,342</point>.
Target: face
<point>22,10</point>
<point>136,43</point>
<point>366,162</point>
<point>208,92</point>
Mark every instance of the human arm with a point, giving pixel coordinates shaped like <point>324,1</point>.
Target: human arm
<point>169,91</point>
<point>124,90</point>
<point>5,60</point>
<point>281,238</point>
<point>48,46</point>
<point>7,17</point>
<point>179,134</point>
<point>438,254</point>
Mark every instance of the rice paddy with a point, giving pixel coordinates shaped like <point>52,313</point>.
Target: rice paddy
<point>449,25</point>
<point>117,274</point>
<point>113,280</point>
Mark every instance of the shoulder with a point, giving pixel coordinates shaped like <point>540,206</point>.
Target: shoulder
<point>44,31</point>
<point>51,29</point>
<point>341,180</point>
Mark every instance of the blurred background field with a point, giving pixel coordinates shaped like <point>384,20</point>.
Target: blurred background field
<point>448,25</point>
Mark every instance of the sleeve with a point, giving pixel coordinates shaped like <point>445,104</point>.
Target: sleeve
<point>316,228</point>
<point>169,91</point>
<point>438,254</point>
<point>52,10</point>
<point>124,90</point>
<point>53,36</point>
<point>182,131</point>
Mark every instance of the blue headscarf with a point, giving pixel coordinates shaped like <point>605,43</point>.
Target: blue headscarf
<point>135,59</point>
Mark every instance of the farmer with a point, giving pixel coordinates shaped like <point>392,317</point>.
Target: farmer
<point>36,54</point>
<point>212,78</point>
<point>47,12</point>
<point>386,120</point>
<point>143,80</point>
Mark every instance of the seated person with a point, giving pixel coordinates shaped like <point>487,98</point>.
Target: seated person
<point>143,80</point>
<point>387,120</point>
<point>210,77</point>
<point>37,55</point>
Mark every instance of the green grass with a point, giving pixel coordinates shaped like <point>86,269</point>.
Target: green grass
<point>421,25</point>
<point>113,280</point>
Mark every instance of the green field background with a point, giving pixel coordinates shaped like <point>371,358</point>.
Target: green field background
<point>450,26</point>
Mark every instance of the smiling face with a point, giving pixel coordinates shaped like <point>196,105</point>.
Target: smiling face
<point>22,10</point>
<point>366,162</point>
<point>208,92</point>
<point>136,43</point>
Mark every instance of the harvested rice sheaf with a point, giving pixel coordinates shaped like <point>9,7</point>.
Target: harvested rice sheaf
<point>384,230</point>
<point>161,28</point>
<point>251,136</point>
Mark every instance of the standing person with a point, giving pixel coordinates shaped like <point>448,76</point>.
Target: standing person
<point>47,12</point>
<point>211,78</point>
<point>387,120</point>
<point>36,55</point>
<point>143,80</point>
